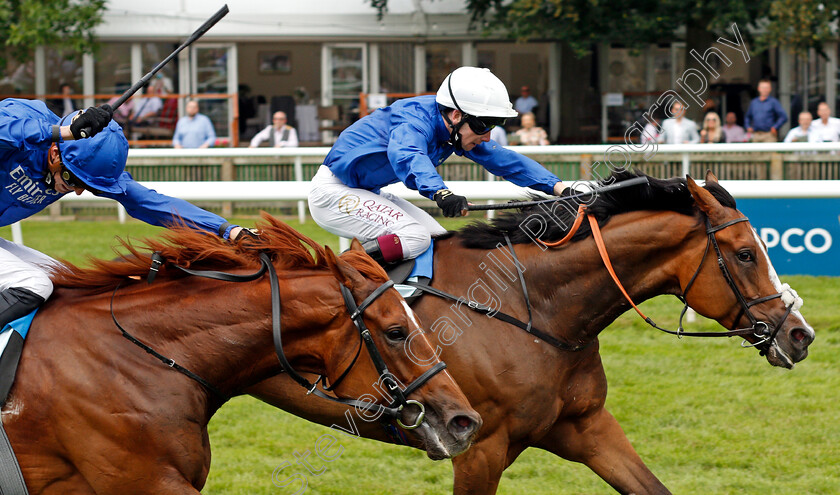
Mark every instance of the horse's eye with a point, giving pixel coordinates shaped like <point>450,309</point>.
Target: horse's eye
<point>745,256</point>
<point>395,334</point>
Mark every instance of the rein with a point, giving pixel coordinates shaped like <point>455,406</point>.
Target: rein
<point>356,311</point>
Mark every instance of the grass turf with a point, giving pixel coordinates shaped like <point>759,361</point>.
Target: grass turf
<point>705,415</point>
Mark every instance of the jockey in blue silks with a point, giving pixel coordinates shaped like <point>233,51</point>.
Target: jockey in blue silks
<point>405,142</point>
<point>43,158</point>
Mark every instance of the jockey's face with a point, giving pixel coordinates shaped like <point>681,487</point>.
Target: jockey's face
<point>469,139</point>
<point>55,167</point>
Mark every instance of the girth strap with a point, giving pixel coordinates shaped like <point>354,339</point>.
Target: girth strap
<point>11,479</point>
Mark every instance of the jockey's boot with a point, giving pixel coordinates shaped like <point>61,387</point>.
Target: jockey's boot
<point>16,302</point>
<point>385,249</point>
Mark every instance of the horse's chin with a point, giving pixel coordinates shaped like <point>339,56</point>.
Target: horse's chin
<point>435,448</point>
<point>777,357</point>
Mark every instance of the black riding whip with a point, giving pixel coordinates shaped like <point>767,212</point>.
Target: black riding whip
<point>595,191</point>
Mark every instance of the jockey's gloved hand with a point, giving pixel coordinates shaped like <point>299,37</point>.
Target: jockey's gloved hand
<point>451,204</point>
<point>91,121</point>
<point>246,233</point>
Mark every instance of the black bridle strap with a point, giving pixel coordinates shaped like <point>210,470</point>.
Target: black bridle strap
<point>519,271</point>
<point>165,360</point>
<point>480,308</point>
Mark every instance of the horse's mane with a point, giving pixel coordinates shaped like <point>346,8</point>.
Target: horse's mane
<point>192,248</point>
<point>660,194</point>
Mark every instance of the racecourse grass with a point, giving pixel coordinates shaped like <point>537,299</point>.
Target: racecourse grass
<point>707,416</point>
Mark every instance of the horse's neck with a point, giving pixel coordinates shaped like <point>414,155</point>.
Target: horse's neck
<point>648,250</point>
<point>571,292</point>
<point>224,330</point>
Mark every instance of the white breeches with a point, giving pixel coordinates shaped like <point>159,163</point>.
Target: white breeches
<point>349,212</point>
<point>24,268</point>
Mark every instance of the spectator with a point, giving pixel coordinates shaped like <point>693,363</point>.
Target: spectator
<point>530,134</point>
<point>65,105</point>
<point>826,128</point>
<point>149,105</point>
<point>712,132</point>
<point>651,132</point>
<point>765,115</point>
<point>678,129</point>
<point>278,135</point>
<point>525,103</point>
<point>734,133</point>
<point>804,133</point>
<point>194,130</point>
<point>499,135</point>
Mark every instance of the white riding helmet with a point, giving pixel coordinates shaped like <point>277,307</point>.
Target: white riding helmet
<point>477,92</point>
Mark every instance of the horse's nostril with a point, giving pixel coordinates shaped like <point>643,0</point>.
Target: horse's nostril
<point>462,426</point>
<point>800,336</point>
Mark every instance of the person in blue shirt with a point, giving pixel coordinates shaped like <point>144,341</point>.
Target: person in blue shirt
<point>765,115</point>
<point>43,158</point>
<point>405,142</point>
<point>194,130</point>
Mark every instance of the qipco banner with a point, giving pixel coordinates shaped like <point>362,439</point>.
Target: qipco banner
<point>802,234</point>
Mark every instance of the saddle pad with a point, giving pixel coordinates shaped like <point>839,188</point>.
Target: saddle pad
<point>11,346</point>
<point>424,264</point>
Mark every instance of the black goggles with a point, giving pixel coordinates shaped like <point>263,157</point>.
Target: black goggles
<point>483,125</point>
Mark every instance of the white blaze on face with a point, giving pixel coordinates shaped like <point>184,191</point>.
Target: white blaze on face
<point>789,296</point>
<point>411,314</point>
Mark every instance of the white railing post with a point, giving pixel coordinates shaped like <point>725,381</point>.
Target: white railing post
<point>299,177</point>
<point>686,164</point>
<point>17,234</point>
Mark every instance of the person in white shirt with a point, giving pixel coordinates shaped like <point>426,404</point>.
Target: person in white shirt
<point>499,135</point>
<point>278,134</point>
<point>804,133</point>
<point>679,130</point>
<point>826,128</point>
<point>650,134</point>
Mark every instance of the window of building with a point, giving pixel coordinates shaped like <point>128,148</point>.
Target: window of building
<point>441,59</point>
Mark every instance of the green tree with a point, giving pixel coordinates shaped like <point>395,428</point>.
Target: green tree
<point>62,24</point>
<point>799,24</point>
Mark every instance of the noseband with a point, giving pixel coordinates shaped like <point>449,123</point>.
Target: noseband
<point>398,395</point>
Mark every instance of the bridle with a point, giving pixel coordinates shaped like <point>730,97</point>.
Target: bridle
<point>356,312</point>
<point>758,328</point>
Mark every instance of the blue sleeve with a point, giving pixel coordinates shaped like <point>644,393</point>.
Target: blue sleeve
<point>23,134</point>
<point>211,134</point>
<point>748,116</point>
<point>780,113</point>
<point>408,154</point>
<point>157,209</point>
<point>514,167</point>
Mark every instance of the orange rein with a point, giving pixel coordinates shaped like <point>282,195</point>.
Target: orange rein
<point>602,250</point>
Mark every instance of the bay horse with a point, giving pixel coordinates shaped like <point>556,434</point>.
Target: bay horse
<point>533,394</point>
<point>92,413</point>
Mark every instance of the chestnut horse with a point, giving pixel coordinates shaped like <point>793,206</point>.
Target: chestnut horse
<point>91,412</point>
<point>531,394</point>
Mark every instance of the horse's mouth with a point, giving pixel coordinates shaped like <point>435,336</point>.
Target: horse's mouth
<point>777,357</point>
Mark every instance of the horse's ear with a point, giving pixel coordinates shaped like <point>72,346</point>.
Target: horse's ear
<point>356,245</point>
<point>346,274</point>
<point>710,177</point>
<point>704,199</point>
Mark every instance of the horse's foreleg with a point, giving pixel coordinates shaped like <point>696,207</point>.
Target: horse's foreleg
<point>598,441</point>
<point>479,469</point>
